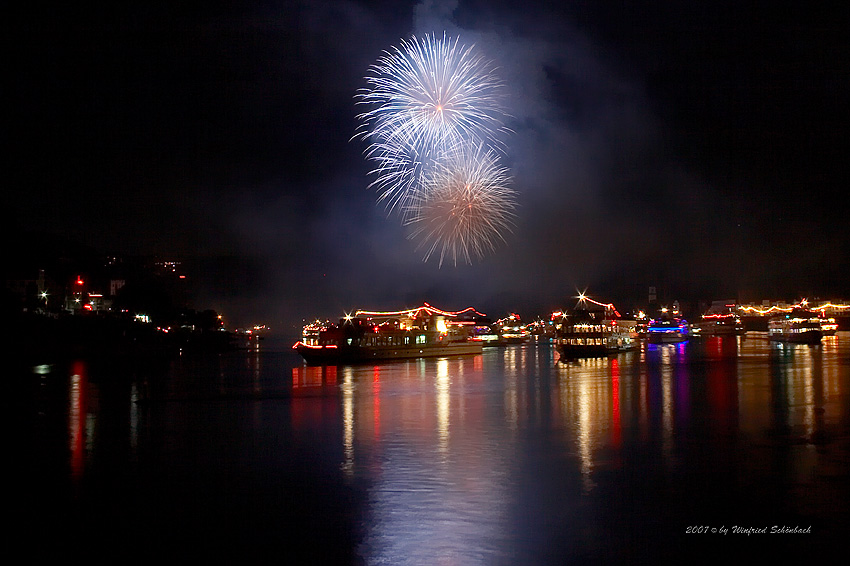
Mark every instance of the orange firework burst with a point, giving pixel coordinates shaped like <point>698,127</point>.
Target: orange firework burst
<point>465,208</point>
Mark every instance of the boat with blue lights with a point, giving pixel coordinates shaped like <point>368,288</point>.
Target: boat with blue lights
<point>590,331</point>
<point>394,335</point>
<point>669,328</point>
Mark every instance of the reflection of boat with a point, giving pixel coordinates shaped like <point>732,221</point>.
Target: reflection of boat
<point>667,329</point>
<point>367,336</point>
<point>592,333</point>
<point>797,327</point>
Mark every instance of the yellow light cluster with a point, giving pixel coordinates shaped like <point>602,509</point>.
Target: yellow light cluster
<point>610,306</point>
<point>802,304</point>
<point>416,311</point>
<point>512,317</point>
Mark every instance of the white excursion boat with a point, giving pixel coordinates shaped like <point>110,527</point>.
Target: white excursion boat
<point>797,327</point>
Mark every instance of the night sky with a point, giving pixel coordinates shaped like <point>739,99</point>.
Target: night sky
<point>696,146</point>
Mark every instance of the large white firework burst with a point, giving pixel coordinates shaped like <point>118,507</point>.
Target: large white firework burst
<point>399,173</point>
<point>423,97</point>
<point>466,207</point>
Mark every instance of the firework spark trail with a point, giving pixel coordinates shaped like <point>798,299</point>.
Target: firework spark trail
<point>399,174</point>
<point>431,92</point>
<point>467,207</point>
<point>423,97</point>
<point>433,106</point>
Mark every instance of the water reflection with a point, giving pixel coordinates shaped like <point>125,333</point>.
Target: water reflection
<point>484,459</point>
<point>442,386</point>
<point>434,489</point>
<point>665,396</point>
<point>79,430</point>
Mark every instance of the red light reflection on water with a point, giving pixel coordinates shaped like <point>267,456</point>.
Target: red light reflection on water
<point>721,384</point>
<point>616,428</point>
<point>308,386</point>
<point>313,376</point>
<point>376,400</point>
<point>77,416</point>
<point>330,375</point>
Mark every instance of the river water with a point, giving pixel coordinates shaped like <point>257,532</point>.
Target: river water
<point>509,457</point>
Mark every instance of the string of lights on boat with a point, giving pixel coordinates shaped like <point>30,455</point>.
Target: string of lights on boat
<point>803,304</point>
<point>416,312</point>
<point>512,319</point>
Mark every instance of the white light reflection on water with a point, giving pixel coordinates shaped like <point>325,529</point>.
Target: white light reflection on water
<point>488,459</point>
<point>442,385</point>
<point>437,470</point>
<point>134,415</point>
<point>669,358</point>
<point>803,383</point>
<point>511,401</point>
<point>585,405</point>
<point>347,391</point>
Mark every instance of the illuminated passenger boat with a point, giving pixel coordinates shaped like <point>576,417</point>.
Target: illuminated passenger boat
<point>721,319</point>
<point>829,326</point>
<point>513,332</point>
<point>798,328</point>
<point>504,332</point>
<point>718,325</point>
<point>586,333</point>
<point>369,336</point>
<point>667,329</point>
